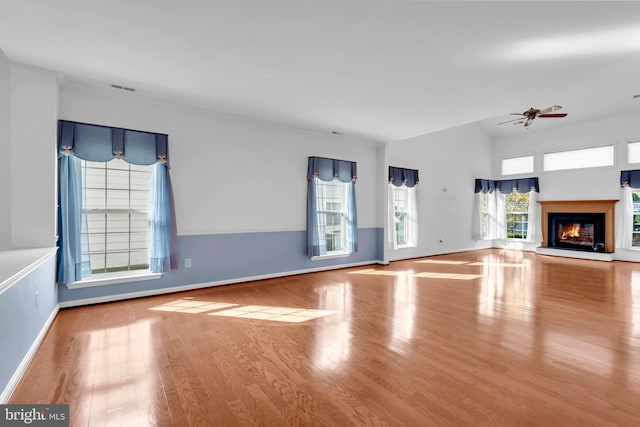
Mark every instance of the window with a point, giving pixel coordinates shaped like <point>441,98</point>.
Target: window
<point>579,159</point>
<point>633,152</point>
<point>331,209</point>
<point>117,202</point>
<point>635,239</point>
<point>517,165</point>
<point>517,215</point>
<point>400,214</point>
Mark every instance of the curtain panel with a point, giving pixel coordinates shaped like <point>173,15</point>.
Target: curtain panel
<point>402,176</point>
<point>99,143</point>
<point>325,169</point>
<point>629,180</point>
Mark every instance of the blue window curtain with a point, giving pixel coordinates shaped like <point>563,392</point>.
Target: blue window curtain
<point>401,176</point>
<point>320,168</point>
<point>100,144</point>
<point>72,221</point>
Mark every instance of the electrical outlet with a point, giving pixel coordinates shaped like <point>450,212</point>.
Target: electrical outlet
<point>187,263</point>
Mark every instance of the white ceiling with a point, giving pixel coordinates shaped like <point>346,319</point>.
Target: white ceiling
<point>382,70</point>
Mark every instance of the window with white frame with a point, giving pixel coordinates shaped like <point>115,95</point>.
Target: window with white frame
<point>517,215</point>
<point>332,196</point>
<point>517,165</point>
<point>635,239</point>
<point>579,159</point>
<point>117,203</point>
<point>400,216</point>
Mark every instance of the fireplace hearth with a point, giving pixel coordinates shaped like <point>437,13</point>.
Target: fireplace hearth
<point>577,231</point>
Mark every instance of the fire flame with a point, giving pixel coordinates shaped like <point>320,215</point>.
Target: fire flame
<point>573,231</point>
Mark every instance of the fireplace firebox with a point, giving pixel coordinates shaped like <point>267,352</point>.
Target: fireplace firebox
<point>577,231</point>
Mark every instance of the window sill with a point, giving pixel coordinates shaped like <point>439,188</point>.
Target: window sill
<point>114,278</point>
<point>332,256</point>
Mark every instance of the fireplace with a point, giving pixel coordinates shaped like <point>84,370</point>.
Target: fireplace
<point>577,231</point>
<point>586,225</point>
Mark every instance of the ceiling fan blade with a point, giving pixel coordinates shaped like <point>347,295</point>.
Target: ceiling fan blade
<point>553,115</point>
<point>550,109</point>
<point>510,121</point>
<point>518,114</point>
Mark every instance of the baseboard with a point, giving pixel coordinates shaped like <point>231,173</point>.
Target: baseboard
<point>26,360</point>
<point>161,291</point>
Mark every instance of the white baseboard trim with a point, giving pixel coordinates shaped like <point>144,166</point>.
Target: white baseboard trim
<point>161,291</point>
<point>26,360</point>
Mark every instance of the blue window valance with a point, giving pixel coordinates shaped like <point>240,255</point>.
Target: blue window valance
<point>400,176</point>
<point>505,186</point>
<point>329,169</point>
<point>99,143</point>
<point>630,178</point>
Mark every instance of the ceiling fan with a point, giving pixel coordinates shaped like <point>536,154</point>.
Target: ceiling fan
<point>530,115</point>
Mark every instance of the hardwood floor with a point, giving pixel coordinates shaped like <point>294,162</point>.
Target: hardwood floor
<point>486,338</point>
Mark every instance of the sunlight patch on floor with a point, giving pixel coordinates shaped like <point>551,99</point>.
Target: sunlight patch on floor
<point>454,276</point>
<point>278,314</point>
<point>263,312</point>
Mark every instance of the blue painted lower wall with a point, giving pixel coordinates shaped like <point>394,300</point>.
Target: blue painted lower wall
<point>23,316</point>
<point>227,257</point>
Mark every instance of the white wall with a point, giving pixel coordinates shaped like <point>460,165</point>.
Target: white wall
<point>229,174</point>
<point>449,161</point>
<point>5,151</point>
<point>34,103</point>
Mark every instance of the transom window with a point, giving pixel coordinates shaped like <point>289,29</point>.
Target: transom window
<point>117,204</point>
<point>517,165</point>
<point>579,159</point>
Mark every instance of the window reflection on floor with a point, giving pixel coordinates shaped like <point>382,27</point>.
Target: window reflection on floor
<point>333,335</point>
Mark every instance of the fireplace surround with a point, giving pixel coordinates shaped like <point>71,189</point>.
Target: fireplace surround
<point>597,215</point>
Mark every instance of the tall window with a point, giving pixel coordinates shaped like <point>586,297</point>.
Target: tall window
<point>517,215</point>
<point>117,203</point>
<point>331,207</point>
<point>115,208</point>
<point>332,211</point>
<point>403,207</point>
<point>635,239</point>
<point>400,214</point>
